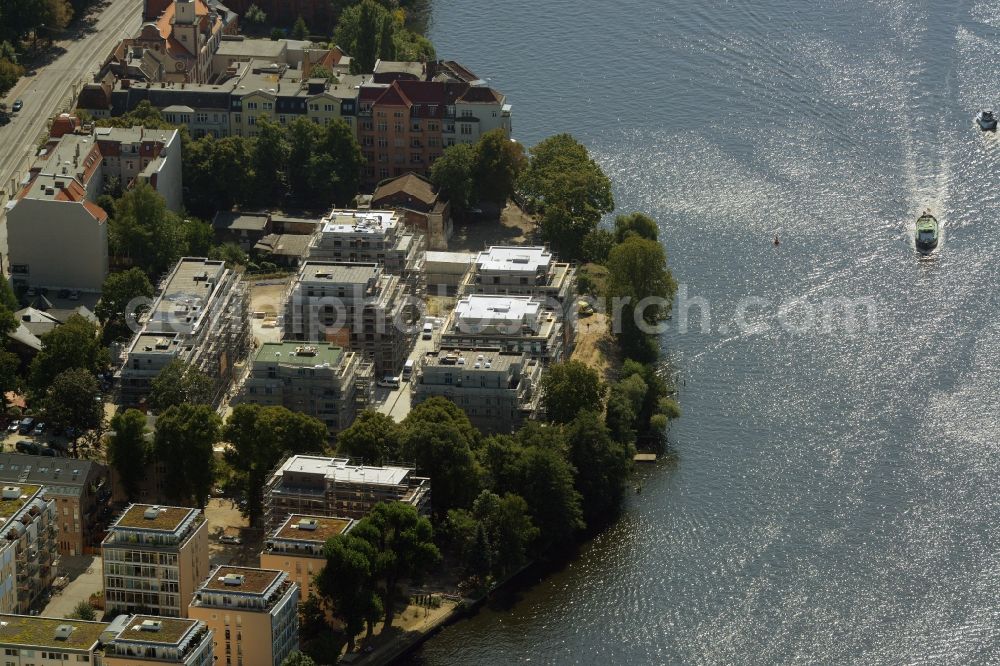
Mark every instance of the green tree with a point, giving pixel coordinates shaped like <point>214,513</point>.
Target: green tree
<point>270,160</point>
<point>8,298</point>
<point>410,46</point>
<point>338,162</point>
<point>348,582</point>
<point>75,344</point>
<point>321,72</point>
<point>373,437</point>
<point>439,438</point>
<point>300,30</point>
<point>9,366</point>
<point>506,528</point>
<point>541,475</point>
<point>571,190</point>
<point>453,173</point>
<point>179,383</point>
<point>276,34</point>
<point>498,164</point>
<point>638,224</point>
<point>596,246</point>
<point>362,31</point>
<point>183,444</point>
<point>602,468</point>
<point>217,173</point>
<point>129,450</point>
<point>620,418</point>
<point>231,253</point>
<point>83,611</point>
<point>298,659</point>
<point>145,231</point>
<point>118,291</point>
<point>10,72</point>
<point>637,270</point>
<point>73,399</point>
<point>260,437</point>
<point>403,542</point>
<point>569,388</point>
<point>255,15</point>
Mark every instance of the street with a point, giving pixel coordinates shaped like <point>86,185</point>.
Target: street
<point>396,402</point>
<point>53,88</point>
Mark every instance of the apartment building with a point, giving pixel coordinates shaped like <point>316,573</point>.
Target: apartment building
<point>80,490</point>
<point>201,317</point>
<point>252,613</point>
<point>57,235</point>
<point>353,305</point>
<point>27,546</point>
<point>154,641</point>
<point>296,547</point>
<point>497,390</point>
<point>154,559</point>
<point>405,125</point>
<point>515,270</point>
<point>510,323</point>
<point>369,236</point>
<point>333,487</point>
<point>29,640</point>
<point>324,381</point>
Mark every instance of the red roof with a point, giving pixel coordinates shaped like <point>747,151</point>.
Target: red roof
<point>99,213</point>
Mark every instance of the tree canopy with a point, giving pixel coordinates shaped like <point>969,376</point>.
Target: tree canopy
<point>571,190</point>
<point>373,437</point>
<point>118,291</point>
<point>183,444</point>
<point>260,438</point>
<point>602,468</point>
<point>74,344</point>
<point>129,450</point>
<point>637,270</point>
<point>570,387</point>
<point>453,173</point>
<point>498,164</point>
<point>74,399</point>
<point>178,383</point>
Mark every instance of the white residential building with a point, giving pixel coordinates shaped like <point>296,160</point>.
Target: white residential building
<point>510,323</point>
<point>28,551</point>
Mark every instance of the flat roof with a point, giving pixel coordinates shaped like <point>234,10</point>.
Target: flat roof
<point>474,360</point>
<point>497,308</point>
<point>449,257</point>
<point>341,471</point>
<point>306,354</point>
<point>339,272</point>
<point>359,221</point>
<point>248,580</point>
<point>9,507</point>
<point>189,286</point>
<point>322,528</point>
<point>134,134</point>
<point>168,518</point>
<point>170,630</point>
<point>514,258</point>
<point>240,221</point>
<point>47,472</point>
<point>35,631</point>
<point>253,48</point>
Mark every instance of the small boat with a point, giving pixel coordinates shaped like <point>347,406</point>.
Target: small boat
<point>927,232</point>
<point>986,119</point>
<point>776,240</point>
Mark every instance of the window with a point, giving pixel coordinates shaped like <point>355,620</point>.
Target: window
<point>466,113</point>
<point>201,117</point>
<point>268,106</point>
<point>466,129</point>
<point>397,114</point>
<point>251,106</point>
<point>382,142</point>
<point>281,119</point>
<point>328,107</point>
<point>398,127</point>
<point>251,120</point>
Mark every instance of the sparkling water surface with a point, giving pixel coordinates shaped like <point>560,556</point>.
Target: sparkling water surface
<point>834,498</point>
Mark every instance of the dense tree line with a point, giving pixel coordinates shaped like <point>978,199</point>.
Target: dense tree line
<point>485,171</point>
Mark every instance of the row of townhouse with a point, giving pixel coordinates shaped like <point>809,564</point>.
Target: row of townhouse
<point>403,117</point>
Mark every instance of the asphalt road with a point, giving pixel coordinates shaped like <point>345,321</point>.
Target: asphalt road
<point>54,86</point>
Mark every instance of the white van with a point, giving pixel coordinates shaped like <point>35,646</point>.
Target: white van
<point>389,382</point>
<point>428,332</point>
<point>408,369</point>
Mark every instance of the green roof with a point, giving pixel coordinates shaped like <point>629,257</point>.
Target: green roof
<point>41,632</point>
<point>9,507</point>
<point>168,630</point>
<point>306,354</point>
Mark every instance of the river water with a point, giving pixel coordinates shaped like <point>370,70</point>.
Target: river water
<point>835,493</point>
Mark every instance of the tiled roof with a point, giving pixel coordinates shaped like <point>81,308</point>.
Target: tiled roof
<point>410,184</point>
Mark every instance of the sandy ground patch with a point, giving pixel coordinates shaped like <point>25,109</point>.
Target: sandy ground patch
<point>594,345</point>
<point>511,226</point>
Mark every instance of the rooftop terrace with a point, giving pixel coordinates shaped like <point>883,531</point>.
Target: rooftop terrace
<point>162,630</point>
<point>14,497</point>
<point>154,517</point>
<point>299,527</point>
<point>359,221</point>
<point>305,354</point>
<point>247,580</point>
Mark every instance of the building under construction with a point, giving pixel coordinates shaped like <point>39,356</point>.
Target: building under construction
<point>201,317</point>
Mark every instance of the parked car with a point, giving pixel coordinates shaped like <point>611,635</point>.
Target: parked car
<point>17,106</point>
<point>40,429</point>
<point>230,539</point>
<point>27,424</point>
<point>389,382</point>
<point>14,425</point>
<point>25,446</point>
<point>428,331</point>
